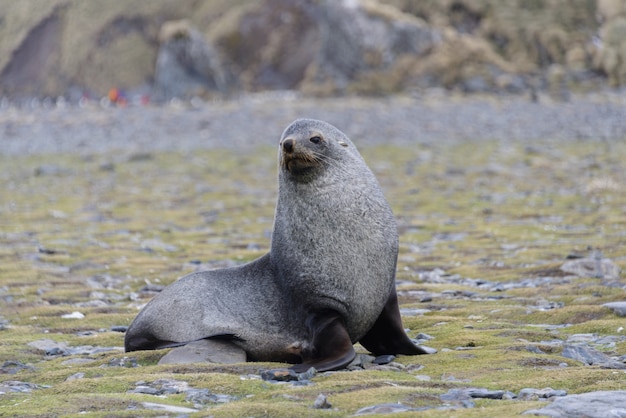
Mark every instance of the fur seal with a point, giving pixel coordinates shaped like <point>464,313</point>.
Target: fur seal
<point>327,282</point>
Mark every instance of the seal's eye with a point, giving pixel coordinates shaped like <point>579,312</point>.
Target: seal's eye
<point>315,139</point>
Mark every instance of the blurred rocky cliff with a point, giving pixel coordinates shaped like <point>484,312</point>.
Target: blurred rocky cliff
<point>185,48</point>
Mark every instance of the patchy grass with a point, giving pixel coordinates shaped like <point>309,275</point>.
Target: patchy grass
<point>87,233</point>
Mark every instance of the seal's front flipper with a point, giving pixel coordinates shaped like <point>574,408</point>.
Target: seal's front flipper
<point>387,336</point>
<point>330,345</point>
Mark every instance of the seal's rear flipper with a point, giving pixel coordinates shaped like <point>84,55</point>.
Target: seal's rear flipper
<point>148,342</point>
<point>387,336</point>
<point>330,345</point>
<point>141,342</point>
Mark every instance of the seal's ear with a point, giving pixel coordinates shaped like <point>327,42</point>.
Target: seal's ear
<point>343,144</point>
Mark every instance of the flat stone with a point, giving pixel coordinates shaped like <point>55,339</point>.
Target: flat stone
<point>46,345</point>
<point>384,359</point>
<point>590,356</point>
<point>386,408</point>
<point>203,351</point>
<point>619,308</point>
<point>481,393</point>
<point>18,386</point>
<point>600,404</point>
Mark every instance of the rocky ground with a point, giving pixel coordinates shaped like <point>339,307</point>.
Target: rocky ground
<point>512,230</point>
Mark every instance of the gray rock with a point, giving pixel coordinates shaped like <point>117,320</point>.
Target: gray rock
<point>288,375</point>
<point>212,351</point>
<point>482,393</point>
<point>279,375</point>
<point>619,308</point>
<point>600,404</point>
<point>321,402</point>
<point>119,328</point>
<point>384,359</point>
<point>601,268</point>
<point>530,394</point>
<point>200,397</point>
<point>17,386</point>
<point>75,376</point>
<point>590,356</point>
<point>336,53</point>
<point>360,361</point>
<point>12,367</point>
<point>458,397</point>
<point>48,346</point>
<point>187,64</point>
<point>123,362</point>
<point>146,390</point>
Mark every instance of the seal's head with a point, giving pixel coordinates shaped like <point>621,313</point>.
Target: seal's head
<point>308,146</point>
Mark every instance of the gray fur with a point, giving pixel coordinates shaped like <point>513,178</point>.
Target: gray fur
<point>334,248</point>
<point>335,239</point>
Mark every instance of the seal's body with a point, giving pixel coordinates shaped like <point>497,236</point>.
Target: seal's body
<point>327,282</point>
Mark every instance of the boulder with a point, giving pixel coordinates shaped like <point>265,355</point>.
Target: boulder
<point>187,64</point>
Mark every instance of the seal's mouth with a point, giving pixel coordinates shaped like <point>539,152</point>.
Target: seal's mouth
<point>298,164</point>
<point>297,159</point>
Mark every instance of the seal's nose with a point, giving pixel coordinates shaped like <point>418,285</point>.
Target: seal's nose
<point>288,145</point>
